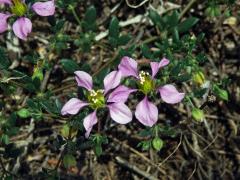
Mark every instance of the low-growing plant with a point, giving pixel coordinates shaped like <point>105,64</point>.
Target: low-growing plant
<point>131,83</point>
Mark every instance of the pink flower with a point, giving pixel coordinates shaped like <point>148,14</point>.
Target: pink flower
<point>146,112</point>
<point>97,99</point>
<point>23,26</point>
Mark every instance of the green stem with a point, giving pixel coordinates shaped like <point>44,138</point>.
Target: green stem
<point>75,14</point>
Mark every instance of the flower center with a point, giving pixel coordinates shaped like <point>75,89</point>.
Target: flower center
<point>146,83</point>
<point>18,8</point>
<point>96,98</point>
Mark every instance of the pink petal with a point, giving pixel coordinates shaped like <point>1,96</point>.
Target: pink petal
<point>73,106</point>
<point>22,27</point>
<point>83,79</point>
<point>112,80</point>
<point>120,94</point>
<point>169,94</point>
<point>120,113</point>
<point>128,67</point>
<point>155,66</point>
<point>3,22</point>
<point>164,62</point>
<point>89,121</point>
<point>44,8</point>
<point>5,2</point>
<point>146,112</point>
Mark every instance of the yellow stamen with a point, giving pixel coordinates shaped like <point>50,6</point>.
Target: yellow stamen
<point>96,98</point>
<point>18,8</point>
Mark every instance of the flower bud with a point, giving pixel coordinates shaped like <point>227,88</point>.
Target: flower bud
<point>157,143</point>
<point>18,8</point>
<point>198,78</point>
<point>198,114</point>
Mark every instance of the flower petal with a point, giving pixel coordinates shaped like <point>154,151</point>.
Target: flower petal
<point>169,94</point>
<point>164,62</point>
<point>5,2</point>
<point>83,79</point>
<point>128,67</point>
<point>120,94</point>
<point>155,66</point>
<point>89,121</point>
<point>112,80</point>
<point>146,112</point>
<point>120,113</point>
<point>3,22</point>
<point>22,27</point>
<point>73,106</point>
<point>44,8</point>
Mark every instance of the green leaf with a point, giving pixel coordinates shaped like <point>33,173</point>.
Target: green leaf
<point>65,131</point>
<point>114,28</point>
<point>91,15</point>
<point>187,24</point>
<point>69,65</point>
<point>168,131</point>
<point>69,161</point>
<point>173,19</point>
<point>98,150</point>
<point>156,19</point>
<point>146,52</point>
<point>113,42</point>
<point>58,104</point>
<point>4,61</point>
<point>197,114</point>
<point>49,106</point>
<point>59,25</point>
<point>23,113</point>
<point>5,139</point>
<point>221,93</point>
<point>89,21</point>
<point>157,143</point>
<point>145,132</point>
<point>101,75</point>
<point>123,40</point>
<point>183,78</point>
<point>37,74</point>
<point>175,34</point>
<point>145,145</point>
<point>213,11</point>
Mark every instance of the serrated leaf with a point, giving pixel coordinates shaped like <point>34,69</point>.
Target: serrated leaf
<point>187,24</point>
